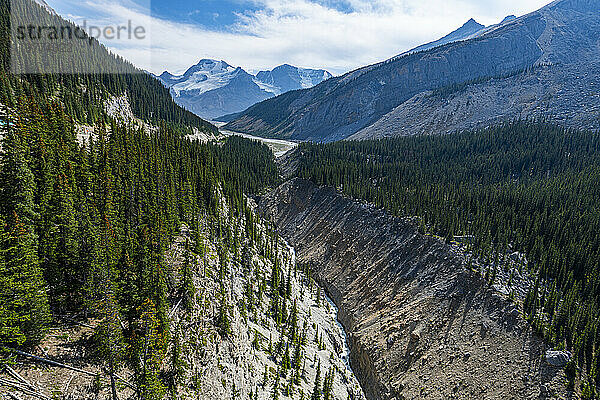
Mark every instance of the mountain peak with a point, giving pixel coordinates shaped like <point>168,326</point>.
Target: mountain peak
<point>209,63</point>
<point>46,6</point>
<point>212,81</point>
<point>469,28</point>
<point>471,23</point>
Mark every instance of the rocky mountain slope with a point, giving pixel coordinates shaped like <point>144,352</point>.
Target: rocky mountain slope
<point>469,29</point>
<point>421,322</point>
<point>533,66</point>
<point>213,88</point>
<point>246,361</point>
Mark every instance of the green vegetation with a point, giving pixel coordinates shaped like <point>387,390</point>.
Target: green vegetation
<point>85,226</point>
<point>86,230</point>
<point>82,95</point>
<point>522,186</point>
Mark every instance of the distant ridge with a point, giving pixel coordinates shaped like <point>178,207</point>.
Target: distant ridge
<point>214,88</point>
<point>469,29</point>
<point>541,65</point>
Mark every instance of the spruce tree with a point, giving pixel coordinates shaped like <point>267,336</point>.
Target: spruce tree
<point>25,290</point>
<point>316,394</point>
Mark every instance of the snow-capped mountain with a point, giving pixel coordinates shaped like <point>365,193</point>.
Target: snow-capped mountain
<point>213,88</point>
<point>541,65</point>
<point>46,6</point>
<point>287,77</point>
<point>471,29</point>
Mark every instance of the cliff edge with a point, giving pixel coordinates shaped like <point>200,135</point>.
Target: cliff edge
<point>421,324</point>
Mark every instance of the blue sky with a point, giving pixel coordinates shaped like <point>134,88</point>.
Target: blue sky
<point>212,14</point>
<point>338,35</point>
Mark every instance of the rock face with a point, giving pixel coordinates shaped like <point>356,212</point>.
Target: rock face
<point>468,30</point>
<point>245,364</point>
<point>287,77</point>
<point>213,88</point>
<point>420,323</point>
<point>531,66</point>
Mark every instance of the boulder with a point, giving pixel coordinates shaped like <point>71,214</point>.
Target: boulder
<point>558,358</point>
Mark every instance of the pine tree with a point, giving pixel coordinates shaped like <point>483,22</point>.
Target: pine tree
<point>108,334</point>
<point>187,283</point>
<point>316,394</point>
<point>285,361</point>
<point>328,385</point>
<point>223,321</point>
<point>17,182</point>
<point>24,293</point>
<point>60,247</point>
<point>177,368</point>
<point>23,300</point>
<point>275,392</point>
<point>150,348</point>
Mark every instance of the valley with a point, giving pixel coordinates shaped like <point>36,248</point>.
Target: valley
<point>421,323</point>
<point>425,227</point>
<point>278,146</point>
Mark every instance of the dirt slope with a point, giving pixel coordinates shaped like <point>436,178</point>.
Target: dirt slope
<point>421,324</point>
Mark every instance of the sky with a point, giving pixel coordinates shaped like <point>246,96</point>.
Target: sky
<point>337,35</point>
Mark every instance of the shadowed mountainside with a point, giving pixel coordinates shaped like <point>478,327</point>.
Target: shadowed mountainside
<point>541,64</point>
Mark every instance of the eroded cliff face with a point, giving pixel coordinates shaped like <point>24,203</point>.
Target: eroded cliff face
<point>420,323</point>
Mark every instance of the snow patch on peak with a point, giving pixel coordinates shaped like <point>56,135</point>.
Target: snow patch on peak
<point>205,76</point>
<point>311,77</point>
<point>46,6</point>
<point>267,87</point>
<point>235,88</point>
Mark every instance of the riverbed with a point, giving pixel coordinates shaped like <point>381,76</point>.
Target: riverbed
<point>278,146</point>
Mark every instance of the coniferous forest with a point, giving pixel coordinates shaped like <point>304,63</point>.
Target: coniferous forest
<point>85,227</point>
<point>524,186</point>
<point>85,224</point>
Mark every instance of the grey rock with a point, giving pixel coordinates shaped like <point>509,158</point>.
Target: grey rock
<point>389,281</point>
<point>558,358</point>
<point>544,64</point>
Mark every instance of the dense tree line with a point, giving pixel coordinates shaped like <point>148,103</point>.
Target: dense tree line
<point>85,227</point>
<point>522,186</point>
<point>81,94</point>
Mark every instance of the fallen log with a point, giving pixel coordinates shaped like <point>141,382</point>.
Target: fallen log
<point>23,389</point>
<point>18,377</point>
<point>53,363</point>
<point>60,365</point>
<point>175,308</point>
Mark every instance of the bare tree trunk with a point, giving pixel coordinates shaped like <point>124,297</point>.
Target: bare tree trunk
<point>113,387</point>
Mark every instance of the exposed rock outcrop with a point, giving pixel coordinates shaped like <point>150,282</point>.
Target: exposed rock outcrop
<point>420,323</point>
<point>246,363</point>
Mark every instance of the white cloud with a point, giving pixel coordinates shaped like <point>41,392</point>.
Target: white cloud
<point>304,32</point>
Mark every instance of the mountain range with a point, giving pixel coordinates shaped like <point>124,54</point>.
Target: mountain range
<point>214,88</point>
<point>542,65</point>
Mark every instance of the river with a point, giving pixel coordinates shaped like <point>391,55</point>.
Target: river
<point>278,146</point>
